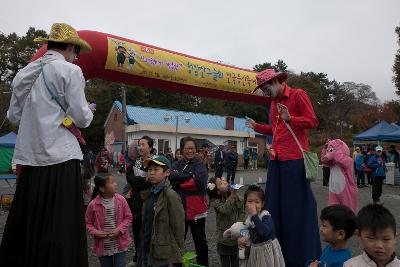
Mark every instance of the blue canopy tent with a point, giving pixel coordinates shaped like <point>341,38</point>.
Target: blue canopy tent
<point>392,137</point>
<point>7,144</point>
<point>394,124</point>
<point>8,140</point>
<point>379,132</point>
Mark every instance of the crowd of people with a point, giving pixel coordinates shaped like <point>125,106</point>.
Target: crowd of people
<point>165,196</point>
<point>369,165</point>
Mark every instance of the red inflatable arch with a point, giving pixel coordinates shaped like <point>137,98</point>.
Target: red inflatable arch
<point>126,61</point>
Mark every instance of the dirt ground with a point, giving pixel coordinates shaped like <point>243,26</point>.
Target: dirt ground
<point>390,197</point>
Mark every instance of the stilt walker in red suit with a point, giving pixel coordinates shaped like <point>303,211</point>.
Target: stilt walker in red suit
<point>289,198</point>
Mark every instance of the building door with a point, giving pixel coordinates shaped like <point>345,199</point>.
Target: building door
<point>163,145</point>
<point>253,147</point>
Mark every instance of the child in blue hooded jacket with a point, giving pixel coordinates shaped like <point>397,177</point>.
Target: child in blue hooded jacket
<point>359,165</point>
<point>377,163</point>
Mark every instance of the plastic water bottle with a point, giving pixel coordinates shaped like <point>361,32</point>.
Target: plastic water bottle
<point>244,232</point>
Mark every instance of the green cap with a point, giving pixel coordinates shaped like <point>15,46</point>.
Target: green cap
<point>158,160</point>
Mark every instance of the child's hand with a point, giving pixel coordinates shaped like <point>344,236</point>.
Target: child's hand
<point>251,209</point>
<point>314,264</point>
<point>114,233</point>
<point>242,242</point>
<point>100,235</point>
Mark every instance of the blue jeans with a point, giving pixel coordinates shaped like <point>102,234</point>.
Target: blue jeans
<point>116,260</point>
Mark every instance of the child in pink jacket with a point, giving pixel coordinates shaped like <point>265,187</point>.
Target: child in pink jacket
<point>107,219</point>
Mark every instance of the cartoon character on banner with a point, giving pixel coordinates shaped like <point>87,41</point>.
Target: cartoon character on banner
<point>342,189</point>
<point>131,58</point>
<point>121,55</point>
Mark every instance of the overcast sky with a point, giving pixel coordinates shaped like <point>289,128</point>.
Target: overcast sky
<point>350,40</point>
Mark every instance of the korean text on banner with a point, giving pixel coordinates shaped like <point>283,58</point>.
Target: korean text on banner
<point>140,60</point>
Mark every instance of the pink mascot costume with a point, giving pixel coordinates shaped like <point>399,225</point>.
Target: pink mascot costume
<point>342,189</point>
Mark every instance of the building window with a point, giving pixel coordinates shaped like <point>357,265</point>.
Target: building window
<point>163,145</point>
<point>253,147</point>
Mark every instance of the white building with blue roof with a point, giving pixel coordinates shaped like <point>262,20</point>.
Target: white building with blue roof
<point>160,124</point>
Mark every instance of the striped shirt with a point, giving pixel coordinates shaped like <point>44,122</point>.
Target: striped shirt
<point>110,244</point>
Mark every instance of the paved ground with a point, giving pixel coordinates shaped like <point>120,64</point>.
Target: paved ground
<point>391,198</point>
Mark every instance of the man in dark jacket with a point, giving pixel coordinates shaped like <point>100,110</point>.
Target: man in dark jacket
<point>136,174</point>
<point>246,158</point>
<point>232,161</point>
<point>219,158</point>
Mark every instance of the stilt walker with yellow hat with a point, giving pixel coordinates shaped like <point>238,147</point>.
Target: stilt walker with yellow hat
<point>45,226</point>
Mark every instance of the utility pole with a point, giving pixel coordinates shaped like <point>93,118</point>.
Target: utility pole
<point>176,132</point>
<point>168,117</point>
<point>124,119</point>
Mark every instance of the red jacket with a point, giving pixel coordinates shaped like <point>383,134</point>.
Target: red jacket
<point>302,118</point>
<point>189,179</point>
<point>94,219</point>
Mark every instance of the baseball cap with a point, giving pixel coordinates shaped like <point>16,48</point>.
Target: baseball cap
<point>158,160</point>
<point>378,148</point>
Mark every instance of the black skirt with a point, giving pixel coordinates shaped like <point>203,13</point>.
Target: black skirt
<point>45,226</point>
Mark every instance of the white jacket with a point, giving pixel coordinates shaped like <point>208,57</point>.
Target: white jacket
<point>41,140</point>
<point>364,260</point>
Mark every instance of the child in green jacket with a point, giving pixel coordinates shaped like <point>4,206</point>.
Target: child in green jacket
<point>229,208</point>
<point>163,225</point>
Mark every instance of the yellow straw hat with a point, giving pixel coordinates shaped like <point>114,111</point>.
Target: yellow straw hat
<point>63,33</point>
